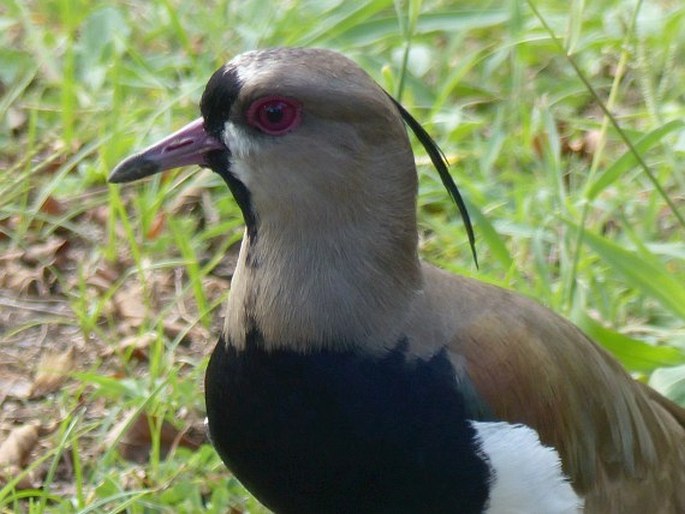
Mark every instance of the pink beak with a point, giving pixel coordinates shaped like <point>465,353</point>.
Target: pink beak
<point>187,146</point>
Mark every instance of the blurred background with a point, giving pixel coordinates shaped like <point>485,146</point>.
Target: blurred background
<point>110,296</point>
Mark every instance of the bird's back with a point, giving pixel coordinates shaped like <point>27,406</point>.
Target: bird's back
<point>621,443</point>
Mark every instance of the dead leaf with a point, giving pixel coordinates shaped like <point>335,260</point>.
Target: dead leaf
<point>99,214</point>
<point>104,276</point>
<point>52,206</point>
<point>137,345</point>
<point>193,333</point>
<point>53,369</point>
<point>45,253</point>
<point>129,304</point>
<point>135,438</point>
<point>23,279</point>
<point>187,200</point>
<point>14,454</point>
<point>156,228</point>
<point>15,449</point>
<point>30,270</point>
<point>14,385</point>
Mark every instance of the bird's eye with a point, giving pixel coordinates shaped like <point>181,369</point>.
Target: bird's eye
<point>274,115</point>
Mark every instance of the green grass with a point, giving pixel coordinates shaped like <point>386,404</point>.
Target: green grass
<point>580,210</point>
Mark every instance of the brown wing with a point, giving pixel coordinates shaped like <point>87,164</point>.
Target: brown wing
<point>621,443</point>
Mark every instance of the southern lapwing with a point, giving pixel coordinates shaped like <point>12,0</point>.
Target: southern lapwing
<point>350,376</point>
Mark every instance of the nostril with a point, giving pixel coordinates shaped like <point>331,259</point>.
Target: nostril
<point>178,144</point>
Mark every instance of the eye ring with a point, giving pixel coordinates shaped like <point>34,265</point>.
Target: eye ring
<point>274,115</point>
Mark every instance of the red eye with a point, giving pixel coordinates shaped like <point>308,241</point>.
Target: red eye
<point>275,115</point>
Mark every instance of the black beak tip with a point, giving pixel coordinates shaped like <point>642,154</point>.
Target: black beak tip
<point>133,168</point>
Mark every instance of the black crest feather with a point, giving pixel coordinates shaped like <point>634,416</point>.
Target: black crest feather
<point>439,160</point>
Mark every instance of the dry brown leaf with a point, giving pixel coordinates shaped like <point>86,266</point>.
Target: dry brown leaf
<point>45,253</point>
<point>14,385</point>
<point>157,225</point>
<point>28,481</point>
<point>99,214</point>
<point>14,454</point>
<point>136,344</point>
<point>102,215</point>
<point>15,449</point>
<point>175,327</point>
<point>135,438</point>
<point>217,286</point>
<point>52,206</point>
<point>129,304</point>
<point>53,369</point>
<point>103,277</point>
<point>31,270</point>
<point>16,277</point>
<point>187,200</point>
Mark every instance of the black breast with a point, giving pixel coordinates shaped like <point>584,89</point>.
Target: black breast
<point>342,432</point>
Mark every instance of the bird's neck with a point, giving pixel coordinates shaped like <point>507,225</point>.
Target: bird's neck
<point>308,287</point>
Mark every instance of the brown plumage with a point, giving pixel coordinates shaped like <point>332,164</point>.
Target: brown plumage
<point>622,444</point>
<point>329,264</point>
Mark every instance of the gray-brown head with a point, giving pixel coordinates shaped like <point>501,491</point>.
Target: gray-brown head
<point>310,136</point>
<point>317,156</point>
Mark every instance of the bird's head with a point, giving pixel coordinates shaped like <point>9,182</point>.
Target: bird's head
<point>301,136</point>
<point>318,159</point>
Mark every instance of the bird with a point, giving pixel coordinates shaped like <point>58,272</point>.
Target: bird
<point>350,376</point>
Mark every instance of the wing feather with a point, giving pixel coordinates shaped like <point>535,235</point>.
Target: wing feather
<point>621,443</point>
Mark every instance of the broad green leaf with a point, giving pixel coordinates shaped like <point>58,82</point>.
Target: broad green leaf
<point>635,355</point>
<point>648,275</point>
<point>670,382</point>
